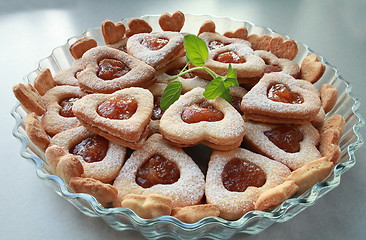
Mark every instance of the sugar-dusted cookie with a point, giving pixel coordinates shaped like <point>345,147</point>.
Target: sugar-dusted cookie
<point>69,76</point>
<point>283,48</point>
<point>29,97</point>
<point>240,56</point>
<point>159,168</point>
<point>44,81</point>
<point>259,42</point>
<point>156,49</point>
<point>112,32</point>
<point>82,45</point>
<point>157,91</point>
<point>276,195</point>
<point>100,158</point>
<point>148,206</point>
<point>241,33</point>
<point>192,214</point>
<point>120,45</point>
<point>311,69</point>
<point>192,119</point>
<point>172,22</point>
<point>121,117</point>
<point>335,122</point>
<point>279,98</point>
<point>216,40</point>
<point>106,194</point>
<point>292,145</point>
<point>107,70</point>
<point>207,26</point>
<point>328,95</point>
<point>311,173</point>
<point>59,116</point>
<point>236,178</point>
<point>137,25</point>
<point>35,131</point>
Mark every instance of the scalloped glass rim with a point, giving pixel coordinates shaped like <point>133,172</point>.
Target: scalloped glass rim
<point>211,227</point>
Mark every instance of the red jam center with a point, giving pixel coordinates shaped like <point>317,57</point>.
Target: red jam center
<point>238,175</point>
<point>154,43</point>
<point>229,57</point>
<point>111,68</point>
<point>157,112</point>
<point>92,149</point>
<point>281,93</point>
<point>118,108</point>
<point>201,112</point>
<point>176,71</point>
<point>215,44</point>
<point>157,170</point>
<point>287,138</point>
<point>66,106</point>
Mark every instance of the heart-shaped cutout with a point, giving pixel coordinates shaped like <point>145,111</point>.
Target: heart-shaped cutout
<point>174,22</point>
<point>113,32</point>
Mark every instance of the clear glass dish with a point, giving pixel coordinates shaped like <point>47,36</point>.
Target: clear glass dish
<point>212,227</point>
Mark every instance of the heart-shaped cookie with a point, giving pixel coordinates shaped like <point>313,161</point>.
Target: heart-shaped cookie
<point>137,25</point>
<point>29,97</point>
<point>113,32</point>
<point>259,42</point>
<point>241,33</point>
<point>192,119</point>
<point>174,22</point>
<point>208,26</point>
<point>311,69</point>
<point>78,48</point>
<point>44,81</point>
<point>283,48</point>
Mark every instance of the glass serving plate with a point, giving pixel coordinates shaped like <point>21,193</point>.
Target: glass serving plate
<point>212,227</point>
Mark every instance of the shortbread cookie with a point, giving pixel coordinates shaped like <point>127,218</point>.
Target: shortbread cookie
<point>29,97</point>
<point>216,40</point>
<point>100,158</point>
<point>121,117</point>
<point>292,145</point>
<point>82,45</point>
<point>112,32</point>
<point>283,48</point>
<point>279,98</point>
<point>240,56</point>
<point>106,194</point>
<point>319,118</point>
<point>241,33</point>
<point>44,81</point>
<point>195,213</point>
<point>68,167</point>
<point>329,145</point>
<point>311,173</point>
<point>328,95</point>
<point>136,26</point>
<point>276,195</point>
<point>149,206</point>
<point>69,75</point>
<point>172,22</point>
<point>35,131</point>
<point>156,49</point>
<point>259,42</point>
<point>192,119</point>
<point>160,168</point>
<point>335,122</point>
<point>207,26</point>
<point>311,69</point>
<point>120,45</point>
<point>157,91</point>
<point>59,116</point>
<point>236,178</point>
<point>107,70</point>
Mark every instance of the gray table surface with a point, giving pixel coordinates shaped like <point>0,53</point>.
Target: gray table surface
<point>30,29</point>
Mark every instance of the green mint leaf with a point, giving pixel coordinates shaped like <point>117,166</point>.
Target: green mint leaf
<point>229,82</point>
<point>214,89</point>
<point>231,73</point>
<point>171,94</point>
<point>196,50</point>
<point>226,95</point>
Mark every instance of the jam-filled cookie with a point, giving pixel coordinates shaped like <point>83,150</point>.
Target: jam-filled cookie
<point>193,119</point>
<point>292,145</point>
<point>157,91</point>
<point>156,49</point>
<point>279,98</point>
<point>121,117</point>
<point>100,158</point>
<point>59,115</point>
<point>69,76</point>
<point>236,178</point>
<point>216,40</point>
<point>107,70</point>
<point>160,168</point>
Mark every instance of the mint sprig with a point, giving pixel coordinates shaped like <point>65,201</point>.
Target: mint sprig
<point>197,54</point>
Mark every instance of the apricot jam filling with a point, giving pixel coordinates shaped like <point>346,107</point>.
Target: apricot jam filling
<point>287,138</point>
<point>157,112</point>
<point>66,106</point>
<point>229,57</point>
<point>157,170</point>
<point>92,149</point>
<point>215,44</point>
<point>118,108</point>
<point>238,175</point>
<point>203,111</point>
<point>154,43</point>
<point>281,93</point>
<point>176,71</point>
<point>111,68</point>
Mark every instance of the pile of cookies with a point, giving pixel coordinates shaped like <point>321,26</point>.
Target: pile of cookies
<point>103,131</point>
